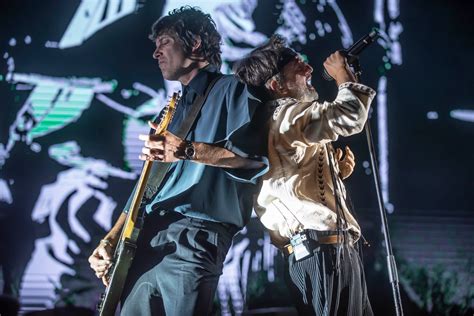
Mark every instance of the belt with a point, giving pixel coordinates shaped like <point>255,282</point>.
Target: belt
<point>322,240</point>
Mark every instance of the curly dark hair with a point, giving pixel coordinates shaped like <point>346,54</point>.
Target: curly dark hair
<point>264,62</point>
<point>184,24</point>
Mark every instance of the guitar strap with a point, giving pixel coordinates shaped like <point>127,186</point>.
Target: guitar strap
<point>159,169</point>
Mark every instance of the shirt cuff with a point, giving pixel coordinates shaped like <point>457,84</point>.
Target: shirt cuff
<point>359,88</point>
<point>249,175</point>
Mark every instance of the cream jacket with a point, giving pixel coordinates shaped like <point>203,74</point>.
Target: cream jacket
<point>298,192</point>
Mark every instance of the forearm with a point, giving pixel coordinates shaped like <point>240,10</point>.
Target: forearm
<point>220,157</point>
<point>114,234</point>
<point>345,116</point>
<point>344,75</point>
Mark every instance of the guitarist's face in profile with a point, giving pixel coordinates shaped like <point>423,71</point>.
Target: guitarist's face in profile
<point>172,59</point>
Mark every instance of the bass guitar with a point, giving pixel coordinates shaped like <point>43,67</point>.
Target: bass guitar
<point>127,244</point>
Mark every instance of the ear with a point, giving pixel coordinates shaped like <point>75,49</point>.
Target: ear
<point>197,44</point>
<point>276,88</point>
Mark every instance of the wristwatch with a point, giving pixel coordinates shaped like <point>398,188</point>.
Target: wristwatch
<point>189,151</point>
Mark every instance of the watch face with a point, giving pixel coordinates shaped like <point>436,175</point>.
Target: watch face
<point>189,151</point>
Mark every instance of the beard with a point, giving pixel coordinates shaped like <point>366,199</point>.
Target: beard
<point>306,94</point>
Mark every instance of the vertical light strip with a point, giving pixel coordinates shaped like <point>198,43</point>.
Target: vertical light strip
<point>382,131</point>
<point>393,55</point>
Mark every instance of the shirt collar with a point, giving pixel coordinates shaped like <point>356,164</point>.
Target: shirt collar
<point>279,104</point>
<point>200,82</point>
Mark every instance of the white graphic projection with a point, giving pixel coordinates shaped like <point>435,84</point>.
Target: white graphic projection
<point>463,115</point>
<point>135,121</point>
<point>92,16</point>
<point>56,102</point>
<point>84,180</point>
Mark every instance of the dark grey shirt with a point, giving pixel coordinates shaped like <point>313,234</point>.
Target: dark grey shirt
<point>232,118</point>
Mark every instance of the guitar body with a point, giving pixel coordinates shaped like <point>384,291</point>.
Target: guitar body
<point>127,244</point>
<point>122,262</point>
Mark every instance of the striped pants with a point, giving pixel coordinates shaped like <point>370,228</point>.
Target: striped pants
<point>319,287</point>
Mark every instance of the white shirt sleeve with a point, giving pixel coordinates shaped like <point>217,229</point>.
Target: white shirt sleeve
<point>345,116</point>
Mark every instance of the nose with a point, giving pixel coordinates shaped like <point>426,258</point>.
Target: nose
<point>156,53</point>
<point>302,62</point>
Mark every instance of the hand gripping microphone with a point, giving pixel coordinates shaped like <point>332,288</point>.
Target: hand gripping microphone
<point>352,53</point>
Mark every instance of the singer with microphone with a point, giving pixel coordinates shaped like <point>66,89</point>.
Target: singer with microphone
<point>303,200</point>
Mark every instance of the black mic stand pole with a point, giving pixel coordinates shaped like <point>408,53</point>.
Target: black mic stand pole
<point>391,264</point>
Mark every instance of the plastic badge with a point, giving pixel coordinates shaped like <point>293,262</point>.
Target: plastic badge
<point>299,242</point>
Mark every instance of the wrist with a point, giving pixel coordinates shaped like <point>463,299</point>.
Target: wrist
<point>109,240</point>
<point>189,150</point>
<point>106,243</point>
<point>344,75</point>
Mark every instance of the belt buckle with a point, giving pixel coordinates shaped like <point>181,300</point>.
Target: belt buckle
<point>300,244</point>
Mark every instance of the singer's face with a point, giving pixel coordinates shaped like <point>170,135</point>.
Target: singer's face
<point>297,80</point>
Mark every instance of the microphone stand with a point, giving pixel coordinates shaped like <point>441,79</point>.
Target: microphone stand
<point>391,264</point>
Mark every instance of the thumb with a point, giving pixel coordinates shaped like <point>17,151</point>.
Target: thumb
<point>153,125</point>
<point>104,253</point>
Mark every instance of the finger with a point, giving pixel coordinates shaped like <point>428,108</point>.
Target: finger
<point>95,260</point>
<point>153,141</point>
<point>350,160</point>
<point>152,152</point>
<point>338,154</point>
<point>96,264</point>
<point>144,137</point>
<point>100,265</point>
<point>351,156</point>
<point>150,139</point>
<point>93,257</point>
<point>350,169</point>
<point>153,125</point>
<point>146,151</point>
<point>105,281</point>
<point>100,274</point>
<point>159,156</point>
<point>349,152</point>
<point>104,254</point>
<point>146,157</point>
<point>351,165</point>
<point>102,268</point>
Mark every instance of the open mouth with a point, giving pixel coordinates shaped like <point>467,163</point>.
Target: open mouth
<point>308,79</point>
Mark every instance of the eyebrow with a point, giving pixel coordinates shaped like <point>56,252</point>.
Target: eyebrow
<point>163,37</point>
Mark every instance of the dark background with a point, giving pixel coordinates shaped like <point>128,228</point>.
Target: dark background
<point>431,161</point>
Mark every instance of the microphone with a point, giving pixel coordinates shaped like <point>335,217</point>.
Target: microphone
<point>352,53</point>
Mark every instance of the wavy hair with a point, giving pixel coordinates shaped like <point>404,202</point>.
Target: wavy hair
<point>263,63</point>
<point>184,24</point>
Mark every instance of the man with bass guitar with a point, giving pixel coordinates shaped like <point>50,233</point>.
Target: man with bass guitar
<point>205,196</point>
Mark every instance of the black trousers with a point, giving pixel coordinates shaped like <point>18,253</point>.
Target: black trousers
<point>320,287</point>
<point>177,266</point>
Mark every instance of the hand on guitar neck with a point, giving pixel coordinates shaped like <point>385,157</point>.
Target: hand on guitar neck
<point>101,258</point>
<point>167,147</point>
<point>164,147</point>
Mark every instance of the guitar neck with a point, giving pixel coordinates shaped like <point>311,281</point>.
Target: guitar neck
<point>133,212</point>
